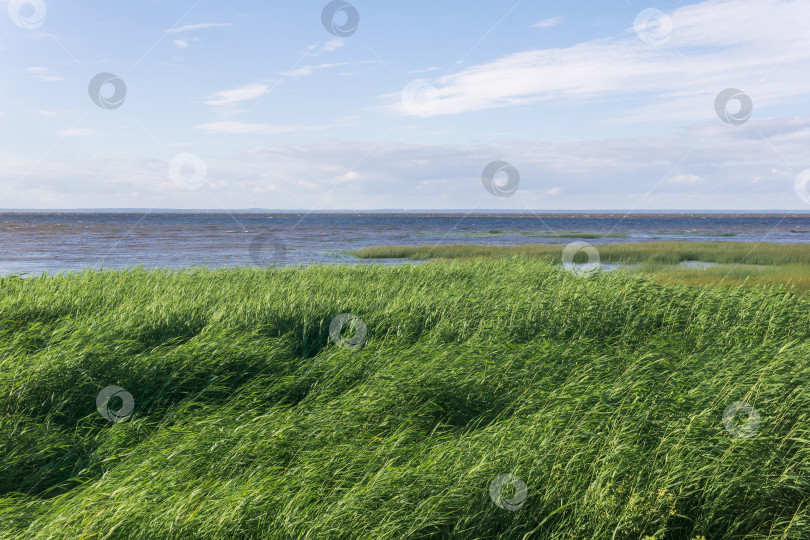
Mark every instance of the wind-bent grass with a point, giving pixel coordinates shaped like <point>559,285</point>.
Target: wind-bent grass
<point>605,395</point>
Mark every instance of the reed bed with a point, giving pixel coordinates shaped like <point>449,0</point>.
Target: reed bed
<point>603,394</point>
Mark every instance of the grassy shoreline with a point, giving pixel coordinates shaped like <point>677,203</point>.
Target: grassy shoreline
<point>604,394</point>
<point>762,253</point>
<point>739,262</point>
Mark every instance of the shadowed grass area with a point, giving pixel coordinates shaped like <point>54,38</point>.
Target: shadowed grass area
<point>605,395</point>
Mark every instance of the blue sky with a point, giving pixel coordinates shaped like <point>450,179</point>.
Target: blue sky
<point>597,105</point>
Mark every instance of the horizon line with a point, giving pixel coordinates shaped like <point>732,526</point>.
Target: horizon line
<point>400,211</point>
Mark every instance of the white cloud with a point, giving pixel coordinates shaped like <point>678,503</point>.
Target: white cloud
<point>350,176</point>
<point>548,23</point>
<point>77,132</point>
<point>739,170</point>
<point>686,179</point>
<point>181,43</point>
<point>51,114</point>
<point>760,47</point>
<point>329,46</point>
<point>306,71</point>
<point>44,74</point>
<point>237,95</point>
<point>333,45</point>
<point>419,71</point>
<point>201,26</point>
<point>242,128</point>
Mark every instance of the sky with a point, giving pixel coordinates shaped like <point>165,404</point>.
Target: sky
<point>467,105</point>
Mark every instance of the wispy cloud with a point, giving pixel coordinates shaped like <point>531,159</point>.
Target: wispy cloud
<point>181,43</point>
<point>686,178</point>
<point>77,132</point>
<point>241,128</point>
<point>306,71</point>
<point>760,47</point>
<point>44,74</point>
<point>736,168</point>
<point>427,70</point>
<point>201,26</point>
<point>548,23</point>
<point>238,95</point>
<point>333,45</point>
<point>316,49</point>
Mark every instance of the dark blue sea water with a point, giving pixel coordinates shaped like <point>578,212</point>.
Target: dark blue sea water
<point>60,241</point>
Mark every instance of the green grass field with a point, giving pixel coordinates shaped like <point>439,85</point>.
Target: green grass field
<point>605,395</point>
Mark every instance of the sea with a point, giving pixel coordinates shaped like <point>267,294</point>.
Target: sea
<point>61,241</point>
